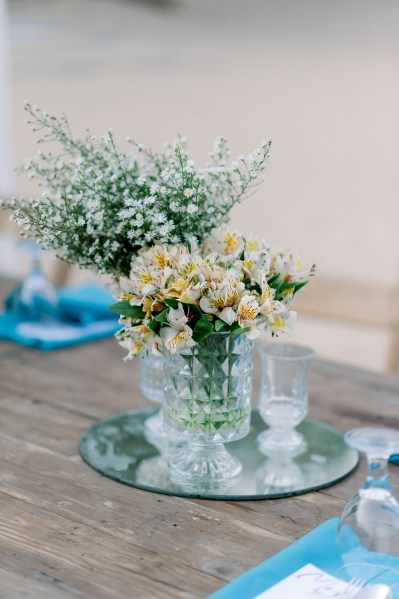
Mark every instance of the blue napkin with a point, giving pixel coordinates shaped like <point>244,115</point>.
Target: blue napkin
<point>318,547</point>
<point>82,315</point>
<point>394,459</point>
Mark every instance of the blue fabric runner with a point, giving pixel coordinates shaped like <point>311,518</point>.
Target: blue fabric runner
<point>82,315</point>
<point>318,547</point>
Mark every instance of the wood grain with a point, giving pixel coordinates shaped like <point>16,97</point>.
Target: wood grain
<point>66,531</point>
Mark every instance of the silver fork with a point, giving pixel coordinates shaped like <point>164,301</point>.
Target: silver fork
<point>354,586</point>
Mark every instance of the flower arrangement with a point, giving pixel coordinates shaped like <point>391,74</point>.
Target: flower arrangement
<point>176,297</point>
<point>100,206</point>
<point>187,285</point>
<point>157,224</point>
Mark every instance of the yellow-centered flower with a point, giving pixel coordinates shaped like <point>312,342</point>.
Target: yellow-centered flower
<point>252,245</point>
<point>248,310</point>
<point>147,305</point>
<point>137,346</point>
<point>248,264</point>
<point>161,258</point>
<point>179,286</point>
<point>224,300</point>
<point>278,323</point>
<point>230,242</point>
<point>189,268</point>
<point>181,336</point>
<point>146,278</point>
<point>141,330</point>
<point>125,297</point>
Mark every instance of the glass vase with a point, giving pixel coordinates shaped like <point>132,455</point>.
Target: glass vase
<point>208,403</point>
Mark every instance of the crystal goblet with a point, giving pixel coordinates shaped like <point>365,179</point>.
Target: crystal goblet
<point>371,517</point>
<point>35,298</point>
<point>283,398</point>
<point>368,530</point>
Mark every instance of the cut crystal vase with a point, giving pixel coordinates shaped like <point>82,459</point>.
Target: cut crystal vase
<point>208,403</point>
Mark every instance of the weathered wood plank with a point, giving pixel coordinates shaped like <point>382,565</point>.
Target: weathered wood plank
<point>64,487</point>
<point>15,586</point>
<point>79,561</point>
<point>41,376</point>
<point>44,424</point>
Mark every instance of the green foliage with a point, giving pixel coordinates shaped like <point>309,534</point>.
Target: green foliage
<point>202,329</point>
<point>162,316</point>
<point>219,325</point>
<point>125,309</point>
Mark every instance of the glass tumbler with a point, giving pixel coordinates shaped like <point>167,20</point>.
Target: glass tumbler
<point>283,398</point>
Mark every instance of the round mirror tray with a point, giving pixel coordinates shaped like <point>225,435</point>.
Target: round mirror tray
<point>117,448</point>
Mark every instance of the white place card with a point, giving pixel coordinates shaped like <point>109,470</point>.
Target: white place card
<point>307,583</point>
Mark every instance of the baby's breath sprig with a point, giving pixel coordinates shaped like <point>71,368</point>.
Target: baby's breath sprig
<point>100,205</point>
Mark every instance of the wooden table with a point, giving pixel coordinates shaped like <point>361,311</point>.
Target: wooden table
<point>66,531</point>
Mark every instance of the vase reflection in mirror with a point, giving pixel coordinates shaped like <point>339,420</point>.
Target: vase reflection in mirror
<point>152,387</point>
<point>283,398</point>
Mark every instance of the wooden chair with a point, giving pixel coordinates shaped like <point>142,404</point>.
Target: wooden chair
<point>354,302</point>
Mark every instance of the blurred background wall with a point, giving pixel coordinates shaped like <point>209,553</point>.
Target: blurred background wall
<point>319,77</point>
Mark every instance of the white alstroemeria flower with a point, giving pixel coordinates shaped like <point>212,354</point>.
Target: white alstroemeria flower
<point>228,244</point>
<point>191,294</point>
<point>262,264</point>
<point>255,247</point>
<point>209,268</point>
<point>177,339</point>
<point>245,266</point>
<point>228,315</point>
<point>282,321</point>
<point>255,263</point>
<point>143,281</point>
<point>188,266</point>
<point>281,317</point>
<point>143,333</point>
<point>177,287</point>
<point>288,264</point>
<point>180,254</point>
<point>178,335</point>
<point>134,338</point>
<point>247,312</point>
<point>266,295</point>
<point>177,317</point>
<point>132,344</point>
<point>157,255</point>
<point>219,296</point>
